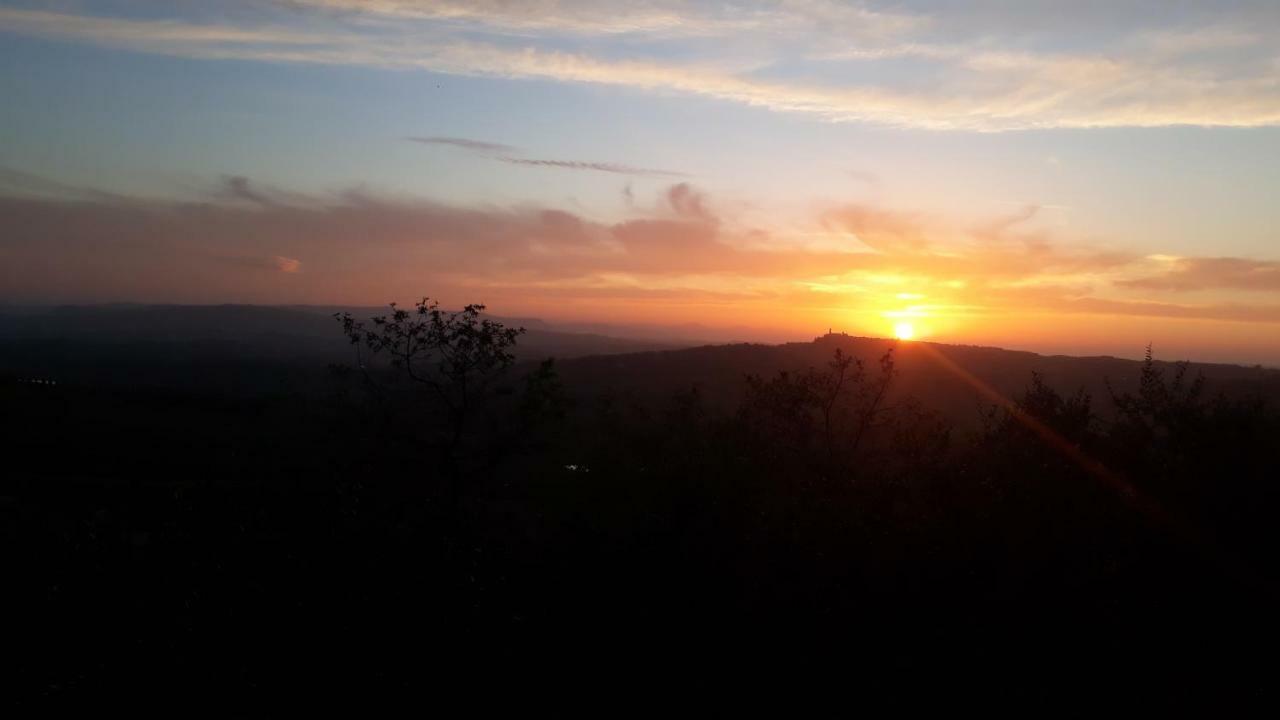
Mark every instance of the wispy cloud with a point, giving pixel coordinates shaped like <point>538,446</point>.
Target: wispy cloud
<point>664,19</point>
<point>1144,75</point>
<point>466,144</point>
<point>598,166</point>
<point>152,34</point>
<point>22,184</point>
<point>1191,274</point>
<point>508,154</point>
<point>237,187</point>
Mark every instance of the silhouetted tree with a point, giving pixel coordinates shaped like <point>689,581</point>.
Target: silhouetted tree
<point>1162,409</point>
<point>1070,418</point>
<point>829,411</point>
<point>1210,457</point>
<point>1167,426</point>
<point>455,355</point>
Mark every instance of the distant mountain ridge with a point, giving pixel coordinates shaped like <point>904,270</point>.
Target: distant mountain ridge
<point>958,381</point>
<point>221,348</point>
<point>302,330</point>
<point>247,348</point>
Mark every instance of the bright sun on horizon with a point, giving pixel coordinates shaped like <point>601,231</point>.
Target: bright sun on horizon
<point>904,331</point>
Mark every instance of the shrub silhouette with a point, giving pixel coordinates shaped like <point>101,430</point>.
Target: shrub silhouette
<point>825,414</point>
<point>456,355</point>
<point>1209,459</point>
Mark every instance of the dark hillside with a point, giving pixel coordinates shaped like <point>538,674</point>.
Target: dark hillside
<point>225,348</point>
<point>938,375</point>
<point>261,517</point>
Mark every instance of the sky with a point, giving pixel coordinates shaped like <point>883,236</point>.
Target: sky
<point>1084,177</point>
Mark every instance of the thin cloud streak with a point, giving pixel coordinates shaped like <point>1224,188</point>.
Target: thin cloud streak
<point>597,166</point>
<point>464,143</point>
<point>1140,84</point>
<point>662,19</point>
<point>508,154</point>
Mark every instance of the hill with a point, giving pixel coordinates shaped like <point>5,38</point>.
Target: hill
<point>954,380</point>
<point>192,493</point>
<point>222,348</point>
<point>256,349</point>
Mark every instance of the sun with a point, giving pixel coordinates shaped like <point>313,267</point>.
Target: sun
<point>904,331</point>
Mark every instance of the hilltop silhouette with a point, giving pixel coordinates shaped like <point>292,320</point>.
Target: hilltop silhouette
<point>269,498</point>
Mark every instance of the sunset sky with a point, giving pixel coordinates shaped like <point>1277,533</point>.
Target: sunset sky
<point>1079,177</point>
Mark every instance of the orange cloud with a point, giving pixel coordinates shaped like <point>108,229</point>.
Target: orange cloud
<point>682,258</point>
<point>1188,274</point>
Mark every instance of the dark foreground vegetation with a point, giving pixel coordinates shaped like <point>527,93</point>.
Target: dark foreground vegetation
<point>435,511</point>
